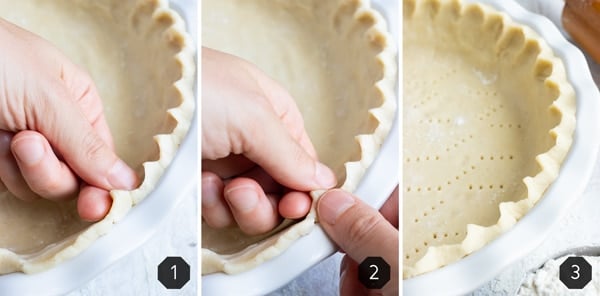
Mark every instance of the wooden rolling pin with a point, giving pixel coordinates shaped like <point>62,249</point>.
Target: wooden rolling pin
<point>581,19</point>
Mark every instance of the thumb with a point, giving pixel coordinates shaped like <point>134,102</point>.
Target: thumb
<point>358,229</point>
<point>69,131</point>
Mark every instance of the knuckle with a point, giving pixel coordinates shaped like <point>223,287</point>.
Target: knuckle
<point>23,192</point>
<point>298,155</point>
<point>248,130</point>
<point>361,228</point>
<point>214,147</point>
<point>216,222</point>
<point>266,226</point>
<point>46,187</point>
<point>93,147</point>
<point>27,197</point>
<point>257,224</point>
<point>256,229</point>
<point>51,187</point>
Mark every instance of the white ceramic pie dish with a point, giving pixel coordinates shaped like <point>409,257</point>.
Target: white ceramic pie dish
<point>377,184</point>
<point>481,266</point>
<point>178,181</point>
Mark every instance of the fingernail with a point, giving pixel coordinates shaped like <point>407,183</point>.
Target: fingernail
<point>121,176</point>
<point>333,204</point>
<point>30,150</point>
<point>325,177</point>
<point>242,199</point>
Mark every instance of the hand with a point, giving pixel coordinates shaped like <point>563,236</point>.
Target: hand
<point>54,140</point>
<point>258,162</point>
<point>360,231</point>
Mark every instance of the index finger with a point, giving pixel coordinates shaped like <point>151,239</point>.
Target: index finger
<point>76,139</point>
<point>86,95</point>
<point>285,108</point>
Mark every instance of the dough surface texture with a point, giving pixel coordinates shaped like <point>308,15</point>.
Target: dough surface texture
<point>488,119</point>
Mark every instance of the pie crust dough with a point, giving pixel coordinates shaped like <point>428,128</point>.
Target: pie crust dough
<point>141,60</point>
<point>488,119</point>
<point>337,61</point>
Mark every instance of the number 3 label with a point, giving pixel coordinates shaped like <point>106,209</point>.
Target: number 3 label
<point>576,269</point>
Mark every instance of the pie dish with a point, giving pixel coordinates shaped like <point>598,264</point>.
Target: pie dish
<point>489,117</point>
<point>148,106</point>
<point>314,49</point>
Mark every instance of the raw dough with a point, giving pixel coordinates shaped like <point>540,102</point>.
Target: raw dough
<point>488,119</point>
<point>141,62</point>
<point>337,62</point>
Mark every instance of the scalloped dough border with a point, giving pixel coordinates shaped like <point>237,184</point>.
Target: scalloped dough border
<point>549,162</point>
<point>123,200</point>
<point>369,144</point>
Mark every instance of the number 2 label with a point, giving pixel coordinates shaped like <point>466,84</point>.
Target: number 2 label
<point>373,276</point>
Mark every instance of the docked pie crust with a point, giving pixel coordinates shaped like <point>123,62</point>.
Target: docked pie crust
<point>336,59</point>
<point>141,61</point>
<point>488,119</point>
